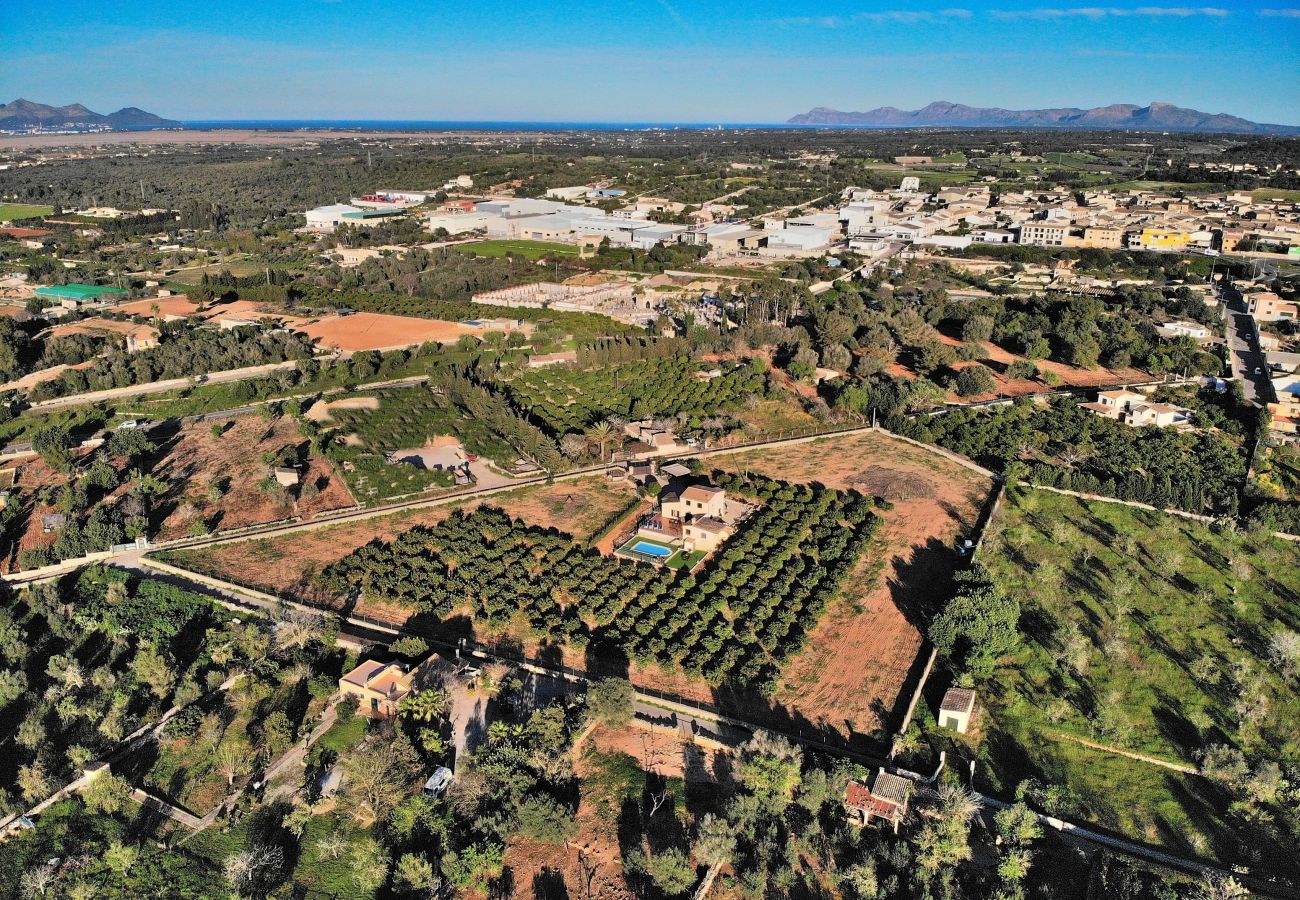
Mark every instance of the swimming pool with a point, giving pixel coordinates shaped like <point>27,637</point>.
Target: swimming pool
<point>645,548</point>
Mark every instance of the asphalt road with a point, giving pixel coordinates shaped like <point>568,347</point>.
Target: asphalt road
<point>1244,351</point>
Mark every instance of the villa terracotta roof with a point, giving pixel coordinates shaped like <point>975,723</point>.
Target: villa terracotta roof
<point>856,794</point>
<point>362,674</point>
<point>701,492</point>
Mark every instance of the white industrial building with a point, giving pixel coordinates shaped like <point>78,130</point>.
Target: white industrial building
<point>547,220</point>
<point>327,218</point>
<point>863,216</point>
<point>801,234</point>
<point>412,197</point>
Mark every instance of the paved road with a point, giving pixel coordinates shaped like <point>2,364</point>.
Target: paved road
<point>155,387</point>
<point>1244,351</point>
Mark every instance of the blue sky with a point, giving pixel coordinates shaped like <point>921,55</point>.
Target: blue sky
<point>651,60</point>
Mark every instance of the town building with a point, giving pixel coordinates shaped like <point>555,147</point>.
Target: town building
<point>1105,237</point>
<point>697,501</point>
<point>1045,234</point>
<point>1182,328</point>
<point>1267,306</point>
<point>695,520</point>
<point>648,440</point>
<point>1284,413</point>
<point>1157,238</point>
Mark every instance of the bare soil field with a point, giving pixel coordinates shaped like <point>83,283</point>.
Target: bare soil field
<point>852,679</point>
<point>160,306</point>
<point>103,328</point>
<point>31,379</point>
<point>376,331</point>
<point>287,565</point>
<point>30,475</point>
<point>320,410</point>
<point>195,461</point>
<point>1070,376</point>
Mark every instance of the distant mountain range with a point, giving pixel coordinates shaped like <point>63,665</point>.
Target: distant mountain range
<point>23,114</point>
<point>941,114</point>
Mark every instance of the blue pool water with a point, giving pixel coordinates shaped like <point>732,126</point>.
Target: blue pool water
<point>651,549</point>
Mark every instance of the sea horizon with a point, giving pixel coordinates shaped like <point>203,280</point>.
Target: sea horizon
<point>464,125</point>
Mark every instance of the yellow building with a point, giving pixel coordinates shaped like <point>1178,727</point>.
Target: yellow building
<point>1284,416</point>
<point>378,688</point>
<point>1162,239</point>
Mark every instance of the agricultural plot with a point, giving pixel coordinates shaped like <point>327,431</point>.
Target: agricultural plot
<point>403,419</point>
<point>220,477</point>
<point>76,847</point>
<point>1158,636</point>
<point>569,400</point>
<point>748,610</point>
<point>408,417</point>
<point>1067,446</point>
<point>1277,473</point>
<point>288,565</point>
<point>1273,491</point>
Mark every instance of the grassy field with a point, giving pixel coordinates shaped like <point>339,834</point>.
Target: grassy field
<point>16,212</point>
<point>1201,187</point>
<point>1152,634</point>
<point>530,249</point>
<point>1271,193</point>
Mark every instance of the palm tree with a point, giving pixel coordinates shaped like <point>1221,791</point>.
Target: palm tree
<point>602,433</point>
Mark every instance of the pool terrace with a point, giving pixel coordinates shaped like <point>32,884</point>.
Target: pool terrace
<point>658,553</point>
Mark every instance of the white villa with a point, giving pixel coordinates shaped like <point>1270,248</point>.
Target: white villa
<point>698,520</point>
<point>1134,409</point>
